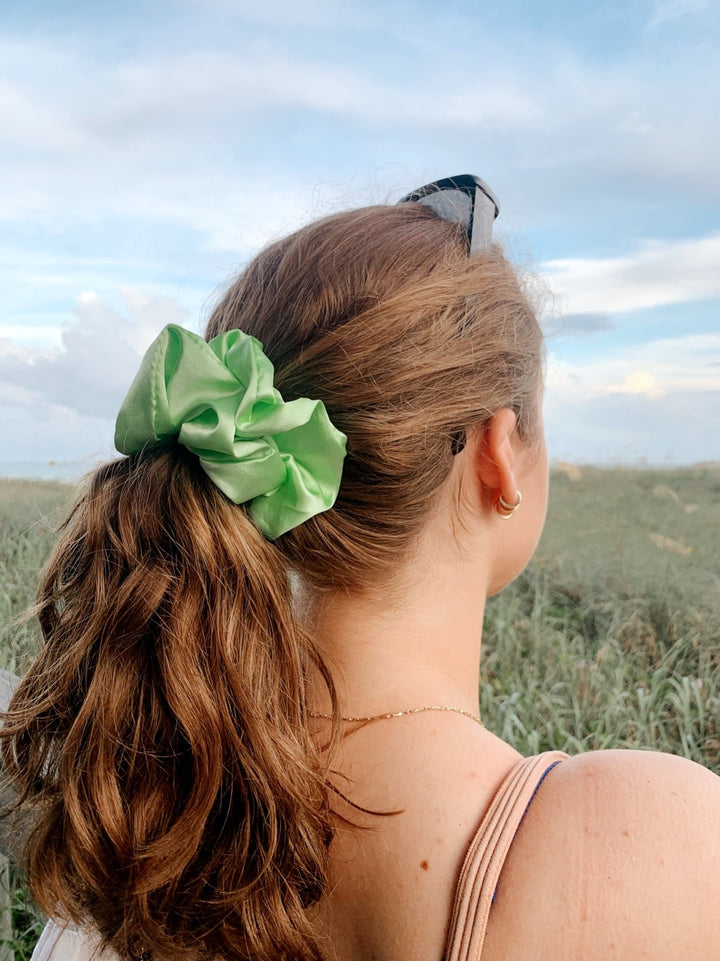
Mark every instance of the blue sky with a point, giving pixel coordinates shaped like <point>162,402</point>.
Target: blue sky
<point>146,150</point>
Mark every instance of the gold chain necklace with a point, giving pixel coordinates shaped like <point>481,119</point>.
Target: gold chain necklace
<point>408,710</point>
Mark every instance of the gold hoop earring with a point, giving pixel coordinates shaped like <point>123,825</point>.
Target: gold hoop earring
<point>506,510</point>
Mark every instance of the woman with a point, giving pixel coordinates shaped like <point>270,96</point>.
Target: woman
<point>223,770</point>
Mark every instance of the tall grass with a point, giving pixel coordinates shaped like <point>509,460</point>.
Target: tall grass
<point>610,638</point>
<point>30,512</point>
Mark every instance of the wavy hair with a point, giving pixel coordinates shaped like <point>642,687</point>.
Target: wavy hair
<point>162,739</point>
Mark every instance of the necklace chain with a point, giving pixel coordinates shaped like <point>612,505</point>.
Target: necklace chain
<point>408,710</point>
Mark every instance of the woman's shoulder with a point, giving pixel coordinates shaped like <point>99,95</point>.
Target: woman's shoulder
<point>619,783</point>
<point>618,856</point>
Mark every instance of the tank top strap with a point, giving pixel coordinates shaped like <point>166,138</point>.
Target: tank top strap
<point>487,853</point>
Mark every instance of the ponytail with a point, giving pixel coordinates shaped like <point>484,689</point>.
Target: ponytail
<point>162,735</point>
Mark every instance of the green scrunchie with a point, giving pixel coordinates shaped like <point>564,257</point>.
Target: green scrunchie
<point>218,398</point>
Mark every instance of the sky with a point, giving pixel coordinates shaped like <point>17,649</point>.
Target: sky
<point>148,149</point>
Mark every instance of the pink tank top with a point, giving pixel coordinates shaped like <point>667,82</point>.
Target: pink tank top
<point>487,853</point>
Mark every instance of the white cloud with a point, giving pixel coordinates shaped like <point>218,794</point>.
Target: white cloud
<point>182,136</point>
<point>37,430</point>
<point>29,123</point>
<point>209,87</point>
<point>189,151</point>
<point>142,105</point>
<point>668,11</point>
<point>635,429</point>
<point>100,354</point>
<point>639,382</point>
<point>657,402</point>
<point>60,402</point>
<point>656,274</point>
<point>670,366</point>
<point>39,288</point>
<point>13,336</point>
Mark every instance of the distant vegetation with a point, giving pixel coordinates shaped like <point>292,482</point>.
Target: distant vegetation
<point>611,638</point>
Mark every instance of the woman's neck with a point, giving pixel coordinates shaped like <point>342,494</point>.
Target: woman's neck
<point>414,644</point>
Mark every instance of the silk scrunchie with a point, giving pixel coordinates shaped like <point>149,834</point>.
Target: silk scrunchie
<point>218,399</point>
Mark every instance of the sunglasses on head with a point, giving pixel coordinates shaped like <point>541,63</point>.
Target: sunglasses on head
<point>464,200</point>
<point>468,201</point>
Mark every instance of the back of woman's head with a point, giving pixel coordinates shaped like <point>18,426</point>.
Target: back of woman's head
<point>162,737</point>
<point>409,343</point>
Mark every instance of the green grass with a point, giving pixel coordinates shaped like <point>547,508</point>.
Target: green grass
<point>29,514</point>
<point>27,921</point>
<point>611,638</point>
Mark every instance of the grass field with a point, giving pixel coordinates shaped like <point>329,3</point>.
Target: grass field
<point>611,638</point>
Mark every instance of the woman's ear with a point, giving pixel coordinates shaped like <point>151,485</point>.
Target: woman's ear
<point>494,458</point>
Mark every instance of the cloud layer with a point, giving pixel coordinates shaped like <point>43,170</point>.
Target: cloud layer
<point>659,400</point>
<point>89,373</point>
<point>659,273</point>
<point>152,159</point>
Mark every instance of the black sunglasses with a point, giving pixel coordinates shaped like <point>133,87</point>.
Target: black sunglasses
<point>464,200</point>
<point>468,201</point>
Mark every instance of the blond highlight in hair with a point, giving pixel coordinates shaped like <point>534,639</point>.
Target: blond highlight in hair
<point>162,740</point>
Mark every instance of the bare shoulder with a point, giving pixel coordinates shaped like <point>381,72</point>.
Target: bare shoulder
<point>654,790</point>
<point>618,856</point>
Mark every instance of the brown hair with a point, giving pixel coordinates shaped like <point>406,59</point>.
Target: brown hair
<point>162,737</point>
